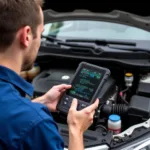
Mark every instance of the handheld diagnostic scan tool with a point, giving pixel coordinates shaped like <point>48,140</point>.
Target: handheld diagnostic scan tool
<point>86,85</point>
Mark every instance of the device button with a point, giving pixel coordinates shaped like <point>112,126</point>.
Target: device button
<point>65,103</point>
<point>66,98</point>
<point>83,105</point>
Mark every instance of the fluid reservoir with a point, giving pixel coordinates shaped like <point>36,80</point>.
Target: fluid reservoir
<point>33,72</point>
<point>128,79</point>
<point>114,123</point>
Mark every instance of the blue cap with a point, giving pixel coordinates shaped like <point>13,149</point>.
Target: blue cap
<point>114,118</point>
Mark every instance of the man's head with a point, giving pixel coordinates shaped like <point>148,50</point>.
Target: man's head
<point>21,24</point>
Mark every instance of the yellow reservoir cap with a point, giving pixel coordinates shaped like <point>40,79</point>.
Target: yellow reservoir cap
<point>128,74</point>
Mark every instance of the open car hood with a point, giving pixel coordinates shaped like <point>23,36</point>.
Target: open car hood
<point>115,16</point>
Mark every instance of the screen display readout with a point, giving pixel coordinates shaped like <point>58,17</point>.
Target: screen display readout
<point>85,84</point>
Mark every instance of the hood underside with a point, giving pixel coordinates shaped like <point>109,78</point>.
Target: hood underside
<point>139,8</point>
<point>115,16</point>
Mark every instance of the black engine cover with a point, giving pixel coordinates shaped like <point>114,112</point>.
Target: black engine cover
<point>48,78</point>
<point>139,109</point>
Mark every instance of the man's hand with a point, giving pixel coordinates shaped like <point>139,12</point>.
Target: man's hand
<point>79,121</point>
<point>52,97</point>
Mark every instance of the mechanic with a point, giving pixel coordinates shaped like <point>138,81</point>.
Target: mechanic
<point>26,124</point>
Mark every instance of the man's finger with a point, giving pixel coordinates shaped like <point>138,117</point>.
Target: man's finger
<point>63,86</point>
<point>93,106</point>
<point>63,90</point>
<point>74,104</point>
<point>93,112</point>
<point>92,115</point>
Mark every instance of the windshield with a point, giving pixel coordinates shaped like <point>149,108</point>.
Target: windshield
<point>94,30</point>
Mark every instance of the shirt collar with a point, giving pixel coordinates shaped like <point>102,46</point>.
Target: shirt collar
<point>13,78</point>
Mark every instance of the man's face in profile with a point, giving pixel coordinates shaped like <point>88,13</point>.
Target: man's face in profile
<point>34,47</point>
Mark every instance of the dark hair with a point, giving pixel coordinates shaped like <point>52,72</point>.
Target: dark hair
<point>15,14</point>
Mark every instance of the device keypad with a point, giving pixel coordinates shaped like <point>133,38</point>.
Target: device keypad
<point>67,101</point>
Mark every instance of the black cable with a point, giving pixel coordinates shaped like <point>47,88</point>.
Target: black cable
<point>125,90</point>
<point>124,100</point>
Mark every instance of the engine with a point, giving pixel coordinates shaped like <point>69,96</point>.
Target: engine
<point>133,107</point>
<point>125,94</point>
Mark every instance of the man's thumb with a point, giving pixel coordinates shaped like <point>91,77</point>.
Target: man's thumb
<point>74,104</point>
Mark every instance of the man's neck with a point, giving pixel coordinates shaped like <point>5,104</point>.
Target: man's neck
<point>11,59</point>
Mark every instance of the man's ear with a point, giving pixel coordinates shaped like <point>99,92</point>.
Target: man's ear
<point>25,36</point>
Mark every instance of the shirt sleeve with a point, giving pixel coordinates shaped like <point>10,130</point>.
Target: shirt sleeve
<point>44,136</point>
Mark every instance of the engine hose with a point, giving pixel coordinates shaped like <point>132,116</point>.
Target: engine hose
<point>120,109</point>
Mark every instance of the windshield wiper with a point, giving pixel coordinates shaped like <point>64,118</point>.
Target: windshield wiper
<point>131,49</point>
<point>95,41</point>
<point>65,43</point>
<point>96,48</point>
<point>75,47</point>
<point>83,44</point>
<point>102,42</point>
<point>118,45</point>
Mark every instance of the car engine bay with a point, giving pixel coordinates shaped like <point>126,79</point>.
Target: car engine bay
<point>126,94</point>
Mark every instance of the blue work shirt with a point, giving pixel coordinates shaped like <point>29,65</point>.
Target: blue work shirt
<point>24,125</point>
